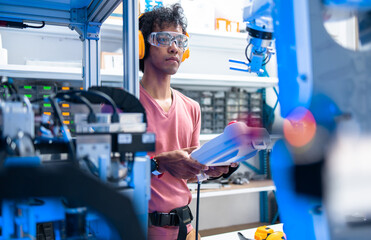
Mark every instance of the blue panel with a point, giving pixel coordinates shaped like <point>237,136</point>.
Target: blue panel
<point>51,4</point>
<point>227,157</point>
<point>246,157</point>
<point>80,3</point>
<point>325,111</point>
<point>295,209</point>
<point>363,4</point>
<point>290,90</point>
<point>100,228</point>
<point>22,161</point>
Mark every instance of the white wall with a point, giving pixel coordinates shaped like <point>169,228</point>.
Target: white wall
<point>216,212</point>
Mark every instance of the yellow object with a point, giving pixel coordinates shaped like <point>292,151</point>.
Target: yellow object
<point>267,233</point>
<point>276,236</point>
<point>186,53</point>
<point>141,45</point>
<point>262,233</point>
<point>226,25</point>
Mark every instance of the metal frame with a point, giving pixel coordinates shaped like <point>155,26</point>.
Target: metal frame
<point>131,47</point>
<point>85,17</point>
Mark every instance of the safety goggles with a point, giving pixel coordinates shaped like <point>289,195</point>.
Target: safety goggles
<point>166,39</point>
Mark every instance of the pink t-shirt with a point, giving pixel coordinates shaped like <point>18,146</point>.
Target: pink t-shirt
<point>176,129</point>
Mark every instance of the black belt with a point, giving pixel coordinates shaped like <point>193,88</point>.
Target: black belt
<point>177,217</point>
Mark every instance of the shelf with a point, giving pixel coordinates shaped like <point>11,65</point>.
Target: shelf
<point>116,25</point>
<point>252,187</point>
<point>180,79</point>
<point>58,12</point>
<point>248,233</point>
<point>188,79</point>
<point>45,72</point>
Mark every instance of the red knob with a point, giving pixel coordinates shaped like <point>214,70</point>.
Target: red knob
<point>231,122</point>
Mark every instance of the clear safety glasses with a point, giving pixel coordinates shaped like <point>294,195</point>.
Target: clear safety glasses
<point>166,39</point>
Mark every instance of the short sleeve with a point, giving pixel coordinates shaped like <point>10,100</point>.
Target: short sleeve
<point>196,132</point>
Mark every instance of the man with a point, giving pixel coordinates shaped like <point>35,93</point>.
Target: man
<point>175,119</point>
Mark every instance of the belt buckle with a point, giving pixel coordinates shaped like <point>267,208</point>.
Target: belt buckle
<point>165,219</point>
<point>187,215</point>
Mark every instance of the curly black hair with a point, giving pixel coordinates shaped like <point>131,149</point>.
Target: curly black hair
<point>160,17</point>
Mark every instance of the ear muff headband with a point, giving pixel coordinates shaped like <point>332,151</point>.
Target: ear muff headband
<point>186,52</point>
<point>142,47</point>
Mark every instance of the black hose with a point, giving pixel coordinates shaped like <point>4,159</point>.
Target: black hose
<point>197,206</point>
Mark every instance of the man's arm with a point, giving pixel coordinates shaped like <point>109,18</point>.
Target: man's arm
<point>179,164</point>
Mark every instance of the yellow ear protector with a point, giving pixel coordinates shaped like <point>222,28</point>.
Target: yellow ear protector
<point>142,47</point>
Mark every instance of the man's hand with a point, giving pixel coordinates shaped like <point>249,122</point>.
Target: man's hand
<point>217,171</point>
<point>179,164</point>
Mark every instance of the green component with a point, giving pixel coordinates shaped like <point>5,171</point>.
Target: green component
<point>27,87</point>
<point>71,122</point>
<point>47,87</point>
<point>28,95</point>
<point>47,105</point>
<point>45,96</point>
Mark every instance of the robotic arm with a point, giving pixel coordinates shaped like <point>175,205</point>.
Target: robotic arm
<point>259,24</point>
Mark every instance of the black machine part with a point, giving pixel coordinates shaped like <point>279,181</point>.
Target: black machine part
<point>65,179</point>
<point>123,99</point>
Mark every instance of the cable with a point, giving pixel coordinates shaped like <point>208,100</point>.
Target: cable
<point>266,59</point>
<point>9,88</point>
<point>66,135</point>
<point>197,206</point>
<point>80,99</point>
<point>115,117</point>
<point>108,99</point>
<point>20,25</point>
<point>247,47</point>
<point>30,26</point>
<point>91,166</point>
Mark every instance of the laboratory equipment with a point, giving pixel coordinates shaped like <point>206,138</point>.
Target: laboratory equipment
<point>53,182</point>
<point>259,24</point>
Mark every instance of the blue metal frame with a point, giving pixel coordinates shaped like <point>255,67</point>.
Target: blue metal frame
<point>295,87</point>
<point>85,17</point>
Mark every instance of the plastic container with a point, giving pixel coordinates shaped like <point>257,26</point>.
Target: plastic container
<point>237,143</point>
